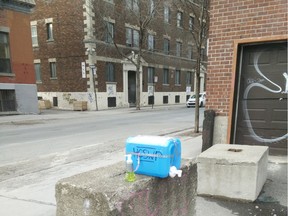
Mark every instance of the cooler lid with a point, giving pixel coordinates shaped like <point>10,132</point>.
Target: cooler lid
<point>150,140</point>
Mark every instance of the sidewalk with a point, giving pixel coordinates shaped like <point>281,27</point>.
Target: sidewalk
<point>54,113</point>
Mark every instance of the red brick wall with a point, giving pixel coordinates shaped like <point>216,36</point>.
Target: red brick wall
<point>152,58</point>
<point>21,54</point>
<point>67,47</point>
<point>234,20</point>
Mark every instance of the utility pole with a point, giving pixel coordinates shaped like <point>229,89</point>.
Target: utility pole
<point>92,72</point>
<point>90,46</point>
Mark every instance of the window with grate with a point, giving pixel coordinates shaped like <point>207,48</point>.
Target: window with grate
<point>7,100</point>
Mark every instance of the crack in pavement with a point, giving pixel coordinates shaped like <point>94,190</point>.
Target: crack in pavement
<point>28,200</point>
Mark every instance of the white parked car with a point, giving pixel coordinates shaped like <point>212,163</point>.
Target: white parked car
<point>202,100</point>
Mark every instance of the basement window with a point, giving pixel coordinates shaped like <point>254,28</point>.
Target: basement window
<point>7,100</point>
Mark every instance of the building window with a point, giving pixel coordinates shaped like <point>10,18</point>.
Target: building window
<point>53,72</point>
<point>151,74</point>
<point>110,72</point>
<point>37,67</point>
<point>189,52</point>
<point>167,14</point>
<point>5,65</point>
<point>203,52</point>
<point>177,77</point>
<point>191,23</point>
<point>179,19</point>
<point>166,47</point>
<point>49,27</point>
<point>109,33</point>
<point>133,5</point>
<point>132,37</point>
<point>34,35</point>
<point>165,76</point>
<point>178,49</point>
<point>151,42</point>
<point>152,8</point>
<point>189,78</point>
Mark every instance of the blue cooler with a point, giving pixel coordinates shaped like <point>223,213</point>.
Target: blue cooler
<point>155,155</point>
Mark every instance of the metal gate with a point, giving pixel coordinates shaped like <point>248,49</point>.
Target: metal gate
<point>261,96</point>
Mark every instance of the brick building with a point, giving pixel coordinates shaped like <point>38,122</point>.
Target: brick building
<point>18,91</point>
<point>247,72</point>
<point>75,58</point>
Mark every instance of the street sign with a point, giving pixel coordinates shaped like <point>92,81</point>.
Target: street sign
<point>83,69</point>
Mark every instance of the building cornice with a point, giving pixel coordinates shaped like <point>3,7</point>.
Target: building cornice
<point>24,6</point>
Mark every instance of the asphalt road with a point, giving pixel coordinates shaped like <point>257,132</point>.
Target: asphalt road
<point>38,150</point>
<point>30,138</point>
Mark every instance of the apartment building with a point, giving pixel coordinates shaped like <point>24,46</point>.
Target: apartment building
<point>89,50</point>
<point>247,72</point>
<point>18,91</point>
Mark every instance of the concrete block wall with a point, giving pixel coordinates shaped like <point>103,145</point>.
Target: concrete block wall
<point>104,191</point>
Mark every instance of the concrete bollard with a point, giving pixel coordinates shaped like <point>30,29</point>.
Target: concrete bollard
<point>104,192</point>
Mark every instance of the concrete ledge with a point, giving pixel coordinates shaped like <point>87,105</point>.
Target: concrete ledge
<point>232,171</point>
<point>104,192</point>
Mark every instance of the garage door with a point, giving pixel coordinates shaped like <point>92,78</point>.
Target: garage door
<point>261,97</point>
